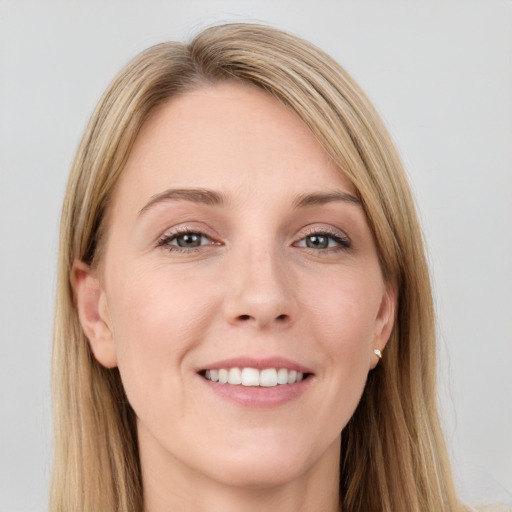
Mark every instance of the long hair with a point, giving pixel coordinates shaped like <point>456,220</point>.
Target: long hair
<point>393,455</point>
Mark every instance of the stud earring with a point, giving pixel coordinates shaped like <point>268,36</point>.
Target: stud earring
<point>377,352</point>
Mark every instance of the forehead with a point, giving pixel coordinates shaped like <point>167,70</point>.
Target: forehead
<point>226,136</point>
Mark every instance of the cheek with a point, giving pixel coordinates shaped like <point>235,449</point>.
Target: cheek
<point>155,322</point>
<point>343,319</point>
<point>152,308</point>
<point>346,309</point>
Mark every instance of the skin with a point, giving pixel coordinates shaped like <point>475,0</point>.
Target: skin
<point>252,288</point>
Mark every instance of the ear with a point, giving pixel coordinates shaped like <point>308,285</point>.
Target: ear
<point>384,321</point>
<point>93,313</point>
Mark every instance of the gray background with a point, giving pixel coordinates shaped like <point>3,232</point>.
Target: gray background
<point>440,74</point>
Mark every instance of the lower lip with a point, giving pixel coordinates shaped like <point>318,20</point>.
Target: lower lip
<point>258,396</point>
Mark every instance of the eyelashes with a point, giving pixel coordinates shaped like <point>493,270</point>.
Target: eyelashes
<point>186,240</point>
<point>324,240</point>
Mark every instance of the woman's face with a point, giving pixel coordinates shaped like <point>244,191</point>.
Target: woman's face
<point>234,243</point>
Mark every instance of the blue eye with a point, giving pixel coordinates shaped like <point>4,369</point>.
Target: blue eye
<point>323,241</point>
<point>185,240</point>
<point>189,240</point>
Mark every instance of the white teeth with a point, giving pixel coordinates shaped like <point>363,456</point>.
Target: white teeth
<point>250,377</point>
<point>235,376</point>
<point>269,377</point>
<point>282,376</point>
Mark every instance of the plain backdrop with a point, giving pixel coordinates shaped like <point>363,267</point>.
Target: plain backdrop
<point>440,74</point>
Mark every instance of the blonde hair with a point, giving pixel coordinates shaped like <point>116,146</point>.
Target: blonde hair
<point>393,453</point>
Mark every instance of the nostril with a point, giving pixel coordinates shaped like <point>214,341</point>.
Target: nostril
<point>280,318</point>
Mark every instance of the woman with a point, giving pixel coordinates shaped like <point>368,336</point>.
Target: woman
<point>239,250</point>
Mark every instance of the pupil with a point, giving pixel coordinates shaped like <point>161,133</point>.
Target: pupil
<point>189,240</point>
<point>317,242</point>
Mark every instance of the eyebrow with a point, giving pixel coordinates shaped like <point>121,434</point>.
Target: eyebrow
<point>194,195</point>
<point>319,198</point>
<point>212,198</point>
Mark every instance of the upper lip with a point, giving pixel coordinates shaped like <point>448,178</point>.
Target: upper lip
<point>257,363</point>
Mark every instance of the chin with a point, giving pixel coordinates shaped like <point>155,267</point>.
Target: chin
<point>259,474</point>
<point>273,463</point>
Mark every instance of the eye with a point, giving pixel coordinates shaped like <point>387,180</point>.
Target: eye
<point>184,240</point>
<point>188,240</point>
<point>320,241</point>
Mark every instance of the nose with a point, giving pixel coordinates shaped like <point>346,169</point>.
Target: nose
<point>260,290</point>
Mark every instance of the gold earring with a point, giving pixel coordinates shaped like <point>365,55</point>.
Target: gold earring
<point>377,352</point>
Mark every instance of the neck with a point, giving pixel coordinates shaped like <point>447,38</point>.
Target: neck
<point>170,485</point>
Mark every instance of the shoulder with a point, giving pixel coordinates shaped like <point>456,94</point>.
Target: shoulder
<point>497,507</point>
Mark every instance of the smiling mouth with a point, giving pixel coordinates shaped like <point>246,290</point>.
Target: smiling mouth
<point>252,377</point>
